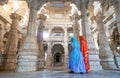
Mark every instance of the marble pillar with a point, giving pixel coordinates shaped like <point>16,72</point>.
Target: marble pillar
<point>75,26</point>
<point>94,59</point>
<point>66,52</point>
<point>106,54</point>
<point>2,32</point>
<point>12,43</point>
<point>28,52</point>
<point>49,56</point>
<point>40,20</point>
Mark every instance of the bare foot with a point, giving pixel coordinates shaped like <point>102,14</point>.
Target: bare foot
<point>88,71</point>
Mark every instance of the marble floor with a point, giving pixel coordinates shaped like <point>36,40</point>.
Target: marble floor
<point>62,74</point>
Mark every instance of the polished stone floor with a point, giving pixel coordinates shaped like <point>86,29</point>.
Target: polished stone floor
<point>62,74</point>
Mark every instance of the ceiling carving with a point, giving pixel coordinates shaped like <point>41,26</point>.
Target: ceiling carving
<point>57,30</point>
<point>58,7</point>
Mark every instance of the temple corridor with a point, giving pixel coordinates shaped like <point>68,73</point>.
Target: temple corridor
<point>35,37</point>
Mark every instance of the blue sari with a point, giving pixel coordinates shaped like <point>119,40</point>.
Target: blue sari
<point>76,61</point>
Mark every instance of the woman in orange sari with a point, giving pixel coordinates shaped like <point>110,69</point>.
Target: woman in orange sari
<point>84,50</point>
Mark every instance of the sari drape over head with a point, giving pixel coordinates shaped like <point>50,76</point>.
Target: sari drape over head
<point>84,50</point>
<point>76,61</point>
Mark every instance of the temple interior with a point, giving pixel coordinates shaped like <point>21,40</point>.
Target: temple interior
<point>35,34</point>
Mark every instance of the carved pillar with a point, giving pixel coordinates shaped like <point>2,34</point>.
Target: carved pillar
<point>41,19</point>
<point>28,53</point>
<point>106,55</point>
<point>94,59</point>
<point>2,32</point>
<point>75,26</point>
<point>11,48</point>
<point>49,55</point>
<point>66,54</point>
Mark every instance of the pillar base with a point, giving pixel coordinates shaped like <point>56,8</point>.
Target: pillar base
<point>27,61</point>
<point>117,58</point>
<point>28,56</point>
<point>48,64</point>
<point>41,64</point>
<point>10,61</point>
<point>108,63</point>
<point>94,60</point>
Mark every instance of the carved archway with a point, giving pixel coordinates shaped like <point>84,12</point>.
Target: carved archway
<point>57,58</point>
<point>57,55</point>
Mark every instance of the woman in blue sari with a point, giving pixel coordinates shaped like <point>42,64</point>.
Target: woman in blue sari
<point>76,61</point>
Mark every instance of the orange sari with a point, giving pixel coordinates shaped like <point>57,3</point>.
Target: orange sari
<point>84,50</point>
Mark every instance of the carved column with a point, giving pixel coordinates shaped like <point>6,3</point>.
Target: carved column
<point>49,55</point>
<point>11,48</point>
<point>76,30</point>
<point>66,54</point>
<point>28,53</point>
<point>41,19</point>
<point>2,32</point>
<point>94,59</point>
<point>106,55</point>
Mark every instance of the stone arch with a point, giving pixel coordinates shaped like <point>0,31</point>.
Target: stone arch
<point>57,29</point>
<point>57,33</point>
<point>57,55</point>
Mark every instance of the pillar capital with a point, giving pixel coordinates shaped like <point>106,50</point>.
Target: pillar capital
<point>42,17</point>
<point>15,16</point>
<point>100,16</point>
<point>75,17</point>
